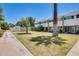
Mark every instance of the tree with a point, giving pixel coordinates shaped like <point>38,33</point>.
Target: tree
<point>26,22</point>
<point>23,23</point>
<point>1,16</point>
<point>48,25</point>
<point>63,30</point>
<point>31,21</point>
<point>1,10</point>
<point>18,23</point>
<point>5,26</point>
<point>11,25</point>
<point>55,30</point>
<point>44,40</point>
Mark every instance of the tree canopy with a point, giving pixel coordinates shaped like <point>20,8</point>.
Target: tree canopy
<point>1,16</point>
<point>26,22</point>
<point>11,25</point>
<point>5,26</point>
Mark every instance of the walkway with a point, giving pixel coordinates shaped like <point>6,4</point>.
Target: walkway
<point>74,51</point>
<point>10,46</point>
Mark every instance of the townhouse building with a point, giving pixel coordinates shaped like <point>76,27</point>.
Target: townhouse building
<point>68,23</point>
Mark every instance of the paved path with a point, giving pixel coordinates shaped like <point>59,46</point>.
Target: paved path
<point>10,46</point>
<point>74,51</point>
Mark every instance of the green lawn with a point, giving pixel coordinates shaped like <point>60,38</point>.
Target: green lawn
<point>52,49</point>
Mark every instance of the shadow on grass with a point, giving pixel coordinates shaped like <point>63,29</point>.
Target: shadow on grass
<point>46,40</point>
<point>23,33</point>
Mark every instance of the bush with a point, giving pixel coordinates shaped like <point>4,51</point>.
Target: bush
<point>1,32</point>
<point>77,32</point>
<point>39,28</point>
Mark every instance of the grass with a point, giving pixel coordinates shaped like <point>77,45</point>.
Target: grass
<point>50,50</point>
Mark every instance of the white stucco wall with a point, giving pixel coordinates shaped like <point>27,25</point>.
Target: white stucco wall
<point>71,22</point>
<point>59,23</point>
<point>45,24</point>
<point>68,22</point>
<point>51,24</point>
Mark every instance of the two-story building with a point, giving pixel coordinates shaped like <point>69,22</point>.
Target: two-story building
<point>69,23</point>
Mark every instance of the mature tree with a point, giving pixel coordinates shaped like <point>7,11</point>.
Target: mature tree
<point>1,16</point>
<point>23,23</point>
<point>26,22</point>
<point>55,30</point>
<point>5,26</point>
<point>11,25</point>
<point>48,25</point>
<point>63,30</point>
<point>31,21</point>
<point>47,40</point>
<point>1,10</point>
<point>18,23</point>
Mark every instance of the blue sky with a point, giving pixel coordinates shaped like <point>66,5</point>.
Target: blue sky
<point>13,12</point>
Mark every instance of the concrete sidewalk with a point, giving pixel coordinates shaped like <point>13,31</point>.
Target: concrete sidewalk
<point>10,46</point>
<point>74,51</point>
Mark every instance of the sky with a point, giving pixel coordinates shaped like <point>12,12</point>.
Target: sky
<point>13,12</point>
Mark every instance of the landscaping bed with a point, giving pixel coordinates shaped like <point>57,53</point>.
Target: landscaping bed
<point>50,50</point>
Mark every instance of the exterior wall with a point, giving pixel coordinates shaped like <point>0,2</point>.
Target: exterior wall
<point>71,22</point>
<point>77,28</point>
<point>45,24</point>
<point>59,23</point>
<point>50,24</point>
<point>72,25</point>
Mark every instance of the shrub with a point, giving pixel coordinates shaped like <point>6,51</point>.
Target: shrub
<point>39,28</point>
<point>1,32</point>
<point>77,32</point>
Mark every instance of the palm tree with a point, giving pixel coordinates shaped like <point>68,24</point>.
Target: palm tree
<point>31,21</point>
<point>48,25</point>
<point>63,30</point>
<point>55,30</point>
<point>25,23</point>
<point>47,40</point>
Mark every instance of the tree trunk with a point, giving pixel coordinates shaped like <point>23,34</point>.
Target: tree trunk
<point>48,25</point>
<point>26,29</point>
<point>55,28</point>
<point>63,30</point>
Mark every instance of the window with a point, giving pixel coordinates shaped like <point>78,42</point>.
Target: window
<point>68,17</point>
<point>77,16</point>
